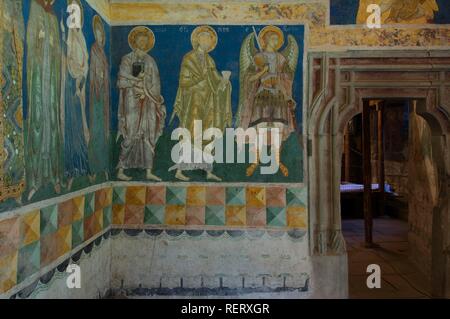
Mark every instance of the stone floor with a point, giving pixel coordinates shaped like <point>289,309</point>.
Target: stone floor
<point>400,279</point>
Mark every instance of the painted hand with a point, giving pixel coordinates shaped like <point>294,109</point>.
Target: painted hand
<point>139,84</point>
<point>223,84</point>
<point>139,93</point>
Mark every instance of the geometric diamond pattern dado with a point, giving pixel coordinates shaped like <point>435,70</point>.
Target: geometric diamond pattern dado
<point>39,237</point>
<point>196,206</point>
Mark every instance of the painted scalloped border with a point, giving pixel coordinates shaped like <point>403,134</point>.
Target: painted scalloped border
<point>45,281</point>
<point>295,234</point>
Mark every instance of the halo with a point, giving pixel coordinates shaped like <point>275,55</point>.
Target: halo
<point>201,29</point>
<point>78,2</point>
<point>97,24</point>
<point>274,29</point>
<point>141,30</point>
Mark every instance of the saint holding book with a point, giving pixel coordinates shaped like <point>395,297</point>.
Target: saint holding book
<point>141,107</point>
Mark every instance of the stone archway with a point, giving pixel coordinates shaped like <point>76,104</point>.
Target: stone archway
<point>337,85</point>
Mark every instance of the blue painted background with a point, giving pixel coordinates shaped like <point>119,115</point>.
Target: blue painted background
<point>173,42</point>
<point>344,12</point>
<point>60,10</point>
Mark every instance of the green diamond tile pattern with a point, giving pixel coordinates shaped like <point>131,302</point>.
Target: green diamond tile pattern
<point>154,214</point>
<point>107,216</point>
<point>176,195</point>
<point>29,261</point>
<point>118,197</point>
<point>215,215</point>
<point>49,220</point>
<point>89,204</point>
<point>296,197</point>
<point>276,216</point>
<point>77,233</point>
<point>235,196</point>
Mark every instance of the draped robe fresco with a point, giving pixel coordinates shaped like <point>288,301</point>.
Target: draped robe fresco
<point>263,105</point>
<point>141,122</point>
<point>267,99</point>
<point>199,97</point>
<point>43,137</point>
<point>75,127</point>
<point>12,31</point>
<point>99,110</point>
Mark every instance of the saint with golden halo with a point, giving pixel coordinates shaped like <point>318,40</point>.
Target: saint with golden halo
<point>266,82</point>
<point>141,38</point>
<point>204,94</point>
<point>141,107</point>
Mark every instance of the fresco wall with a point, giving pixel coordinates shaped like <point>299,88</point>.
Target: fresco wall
<point>344,12</point>
<point>54,130</point>
<point>53,84</point>
<point>183,227</point>
<point>171,44</point>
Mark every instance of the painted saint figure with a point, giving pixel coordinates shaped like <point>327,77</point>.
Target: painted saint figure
<point>99,102</point>
<point>142,111</point>
<point>76,132</point>
<point>43,127</point>
<point>400,11</point>
<point>203,93</point>
<point>266,82</point>
<point>12,166</point>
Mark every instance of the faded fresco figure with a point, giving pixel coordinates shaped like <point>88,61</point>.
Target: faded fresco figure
<point>43,127</point>
<point>400,11</point>
<point>266,83</point>
<point>99,102</point>
<point>142,111</point>
<point>12,167</point>
<point>203,93</point>
<point>76,132</point>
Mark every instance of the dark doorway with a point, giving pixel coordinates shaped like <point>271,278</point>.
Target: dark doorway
<point>375,163</point>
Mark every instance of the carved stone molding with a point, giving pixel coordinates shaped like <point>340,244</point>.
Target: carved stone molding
<point>337,85</point>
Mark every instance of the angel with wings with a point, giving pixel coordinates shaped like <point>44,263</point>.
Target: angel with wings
<point>266,81</point>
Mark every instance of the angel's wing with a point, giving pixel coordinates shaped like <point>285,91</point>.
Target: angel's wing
<point>246,61</point>
<point>291,53</point>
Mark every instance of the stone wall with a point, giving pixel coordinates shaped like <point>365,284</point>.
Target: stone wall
<point>423,192</point>
<point>161,240</point>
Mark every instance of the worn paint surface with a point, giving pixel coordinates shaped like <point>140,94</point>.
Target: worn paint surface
<point>38,239</point>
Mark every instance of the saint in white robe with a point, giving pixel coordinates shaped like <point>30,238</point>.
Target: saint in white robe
<point>141,120</point>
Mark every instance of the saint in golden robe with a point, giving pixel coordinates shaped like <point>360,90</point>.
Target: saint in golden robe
<point>203,93</point>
